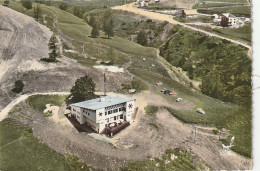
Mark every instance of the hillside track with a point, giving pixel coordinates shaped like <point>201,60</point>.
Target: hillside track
<point>164,17</point>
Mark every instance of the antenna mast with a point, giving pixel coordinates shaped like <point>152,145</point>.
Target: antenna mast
<point>105,83</point>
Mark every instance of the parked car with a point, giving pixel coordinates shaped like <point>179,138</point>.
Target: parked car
<point>179,99</point>
<point>159,83</point>
<point>172,93</point>
<point>163,90</point>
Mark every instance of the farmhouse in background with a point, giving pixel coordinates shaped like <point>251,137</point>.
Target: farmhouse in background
<point>189,13</point>
<point>109,113</point>
<point>229,20</point>
<point>142,3</point>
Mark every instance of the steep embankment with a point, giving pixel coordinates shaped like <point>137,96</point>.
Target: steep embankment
<point>23,43</point>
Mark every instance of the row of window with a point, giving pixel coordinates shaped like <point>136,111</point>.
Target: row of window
<point>115,118</point>
<point>114,106</point>
<point>115,111</point>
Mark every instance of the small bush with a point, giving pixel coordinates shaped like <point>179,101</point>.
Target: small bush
<point>48,60</point>
<point>18,86</point>
<point>151,110</point>
<point>27,4</point>
<point>139,85</point>
<point>47,114</point>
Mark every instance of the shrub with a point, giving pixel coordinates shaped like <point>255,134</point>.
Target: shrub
<point>18,86</point>
<point>27,4</point>
<point>151,110</point>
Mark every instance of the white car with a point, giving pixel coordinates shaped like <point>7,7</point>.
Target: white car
<point>179,99</point>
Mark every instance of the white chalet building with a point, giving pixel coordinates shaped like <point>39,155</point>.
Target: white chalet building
<point>103,112</point>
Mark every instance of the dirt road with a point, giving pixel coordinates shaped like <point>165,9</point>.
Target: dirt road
<point>164,17</point>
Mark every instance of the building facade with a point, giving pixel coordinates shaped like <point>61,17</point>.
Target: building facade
<point>104,112</point>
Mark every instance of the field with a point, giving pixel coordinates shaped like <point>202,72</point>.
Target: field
<point>237,11</point>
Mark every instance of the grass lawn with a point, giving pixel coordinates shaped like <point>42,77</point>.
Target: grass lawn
<point>38,102</point>
<point>19,150</point>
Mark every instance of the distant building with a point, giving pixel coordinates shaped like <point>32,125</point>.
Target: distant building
<point>105,112</point>
<point>189,13</point>
<point>142,3</point>
<point>229,20</point>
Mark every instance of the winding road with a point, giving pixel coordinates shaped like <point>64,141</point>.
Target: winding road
<point>164,17</point>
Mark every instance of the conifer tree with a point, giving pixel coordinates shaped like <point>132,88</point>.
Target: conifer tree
<point>108,28</point>
<point>53,48</point>
<point>142,38</point>
<point>95,30</point>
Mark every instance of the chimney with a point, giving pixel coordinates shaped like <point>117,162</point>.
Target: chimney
<point>101,99</point>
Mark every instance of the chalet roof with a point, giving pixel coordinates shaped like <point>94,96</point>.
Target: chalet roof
<point>95,104</point>
<point>229,15</point>
<point>191,12</point>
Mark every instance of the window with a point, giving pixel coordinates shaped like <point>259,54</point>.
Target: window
<point>115,110</point>
<point>105,113</point>
<point>100,113</point>
<point>114,117</point>
<point>121,116</point>
<point>110,112</point>
<point>120,109</point>
<point>88,114</point>
<point>123,109</point>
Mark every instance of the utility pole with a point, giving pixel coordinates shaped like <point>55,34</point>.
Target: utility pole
<point>105,83</point>
<point>194,141</point>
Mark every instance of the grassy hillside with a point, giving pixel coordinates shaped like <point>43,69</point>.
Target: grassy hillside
<point>19,150</point>
<point>188,49</point>
<point>223,68</point>
<point>225,72</point>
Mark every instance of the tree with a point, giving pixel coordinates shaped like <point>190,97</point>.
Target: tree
<point>27,4</point>
<point>111,55</point>
<point>95,30</point>
<point>18,86</point>
<point>36,11</point>
<point>83,89</point>
<point>6,3</point>
<point>63,6</point>
<point>53,48</point>
<point>108,28</point>
<point>142,38</point>
<point>92,20</point>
